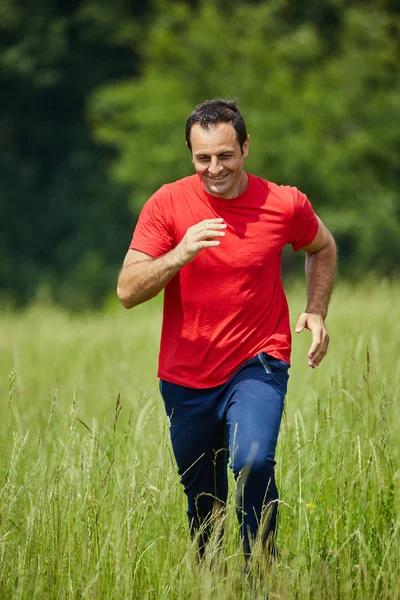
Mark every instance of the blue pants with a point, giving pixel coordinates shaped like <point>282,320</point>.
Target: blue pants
<point>240,418</point>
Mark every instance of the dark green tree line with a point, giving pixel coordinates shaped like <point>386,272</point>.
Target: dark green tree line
<point>62,219</point>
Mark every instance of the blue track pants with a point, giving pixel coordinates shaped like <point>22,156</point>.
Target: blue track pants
<point>240,419</point>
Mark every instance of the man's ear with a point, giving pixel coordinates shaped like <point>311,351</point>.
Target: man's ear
<point>191,154</point>
<point>245,147</point>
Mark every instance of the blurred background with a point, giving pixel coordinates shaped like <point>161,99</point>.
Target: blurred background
<point>94,99</point>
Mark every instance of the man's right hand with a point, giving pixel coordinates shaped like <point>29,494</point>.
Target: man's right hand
<point>142,276</point>
<point>199,236</point>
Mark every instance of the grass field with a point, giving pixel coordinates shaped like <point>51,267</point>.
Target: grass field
<point>90,501</point>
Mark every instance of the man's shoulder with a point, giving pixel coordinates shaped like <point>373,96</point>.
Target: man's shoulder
<point>179,186</point>
<point>170,193</point>
<point>282,195</point>
<point>275,188</point>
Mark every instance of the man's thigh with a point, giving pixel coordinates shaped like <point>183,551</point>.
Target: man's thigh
<point>199,438</point>
<point>254,412</point>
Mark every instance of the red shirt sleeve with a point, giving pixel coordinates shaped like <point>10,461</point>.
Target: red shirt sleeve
<point>304,222</point>
<point>154,233</point>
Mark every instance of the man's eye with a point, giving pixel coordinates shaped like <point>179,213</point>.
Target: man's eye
<point>225,156</point>
<point>203,159</point>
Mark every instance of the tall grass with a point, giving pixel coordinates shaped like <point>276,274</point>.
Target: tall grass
<point>90,501</point>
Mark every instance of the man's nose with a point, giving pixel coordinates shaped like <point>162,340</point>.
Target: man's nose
<point>215,167</point>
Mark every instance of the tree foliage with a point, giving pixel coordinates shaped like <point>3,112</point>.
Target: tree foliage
<point>322,111</point>
<point>62,218</point>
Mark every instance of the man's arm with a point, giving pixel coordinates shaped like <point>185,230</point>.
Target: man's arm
<point>142,277</point>
<point>320,272</point>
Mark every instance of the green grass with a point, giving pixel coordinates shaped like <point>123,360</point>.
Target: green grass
<point>90,501</point>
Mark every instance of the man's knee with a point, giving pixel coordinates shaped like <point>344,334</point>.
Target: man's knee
<point>207,506</point>
<point>255,463</point>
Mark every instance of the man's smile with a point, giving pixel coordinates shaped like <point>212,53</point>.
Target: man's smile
<point>219,178</point>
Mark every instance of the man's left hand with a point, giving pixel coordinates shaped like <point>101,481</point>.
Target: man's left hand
<point>320,338</point>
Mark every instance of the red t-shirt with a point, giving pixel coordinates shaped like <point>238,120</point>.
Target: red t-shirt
<point>228,303</point>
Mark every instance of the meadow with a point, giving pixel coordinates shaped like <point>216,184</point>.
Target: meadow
<point>90,502</point>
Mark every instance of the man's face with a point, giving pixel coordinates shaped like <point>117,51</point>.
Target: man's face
<point>218,160</point>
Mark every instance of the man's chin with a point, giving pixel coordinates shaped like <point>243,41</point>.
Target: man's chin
<point>217,190</point>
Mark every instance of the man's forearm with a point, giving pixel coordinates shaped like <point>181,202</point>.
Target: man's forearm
<point>320,274</point>
<point>141,281</point>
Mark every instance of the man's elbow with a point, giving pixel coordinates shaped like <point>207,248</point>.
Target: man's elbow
<point>131,300</point>
<point>126,300</point>
<point>331,244</point>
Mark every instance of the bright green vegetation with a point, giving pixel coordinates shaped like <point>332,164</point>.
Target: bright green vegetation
<point>90,502</point>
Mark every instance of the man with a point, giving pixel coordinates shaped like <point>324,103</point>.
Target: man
<point>214,241</point>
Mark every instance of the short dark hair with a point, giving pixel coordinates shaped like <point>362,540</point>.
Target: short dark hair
<point>209,113</point>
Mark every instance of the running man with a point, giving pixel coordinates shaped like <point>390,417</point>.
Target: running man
<point>214,241</point>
